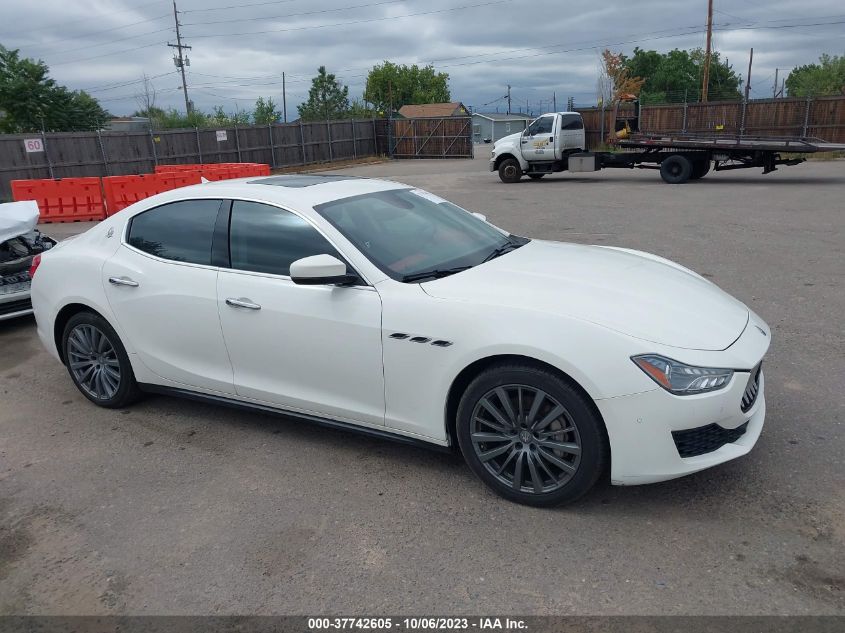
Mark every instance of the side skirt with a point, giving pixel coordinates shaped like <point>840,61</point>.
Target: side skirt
<point>313,419</point>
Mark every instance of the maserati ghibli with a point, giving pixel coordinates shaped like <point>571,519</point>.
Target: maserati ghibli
<point>375,306</point>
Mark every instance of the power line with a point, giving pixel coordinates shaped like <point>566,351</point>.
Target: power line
<point>63,24</point>
<point>362,21</point>
<point>237,6</point>
<point>93,33</point>
<point>293,15</point>
<point>123,84</point>
<point>122,39</point>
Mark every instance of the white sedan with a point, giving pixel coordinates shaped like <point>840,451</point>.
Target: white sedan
<point>371,305</point>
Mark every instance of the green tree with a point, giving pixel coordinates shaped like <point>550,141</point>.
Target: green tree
<point>327,99</point>
<point>266,111</point>
<point>825,78</point>
<point>31,100</point>
<point>671,77</point>
<point>358,110</point>
<point>390,84</point>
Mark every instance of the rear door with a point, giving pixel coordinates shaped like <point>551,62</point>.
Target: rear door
<point>538,140</point>
<point>162,287</point>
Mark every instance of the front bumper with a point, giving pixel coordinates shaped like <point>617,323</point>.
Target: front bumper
<point>640,427</point>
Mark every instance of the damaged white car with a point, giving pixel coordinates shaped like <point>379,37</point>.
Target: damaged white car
<point>20,242</point>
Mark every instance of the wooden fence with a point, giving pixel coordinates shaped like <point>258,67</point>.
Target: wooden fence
<point>72,154</point>
<point>820,117</point>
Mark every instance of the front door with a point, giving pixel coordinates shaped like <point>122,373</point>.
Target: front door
<point>313,349</point>
<point>538,142</point>
<point>163,291</point>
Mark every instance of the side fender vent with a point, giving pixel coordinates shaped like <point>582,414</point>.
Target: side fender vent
<point>399,336</point>
<point>420,339</point>
<point>441,343</point>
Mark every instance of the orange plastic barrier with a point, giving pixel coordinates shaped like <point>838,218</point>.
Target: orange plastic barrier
<point>63,199</point>
<point>161,169</point>
<point>219,171</point>
<point>174,180</point>
<point>121,191</point>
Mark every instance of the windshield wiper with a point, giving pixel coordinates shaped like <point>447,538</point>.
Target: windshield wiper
<point>434,274</point>
<point>501,250</point>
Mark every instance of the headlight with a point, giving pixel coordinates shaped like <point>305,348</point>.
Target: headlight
<point>681,379</point>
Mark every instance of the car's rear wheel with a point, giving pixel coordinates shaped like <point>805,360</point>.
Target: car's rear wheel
<point>97,361</point>
<point>531,436</point>
<point>510,171</point>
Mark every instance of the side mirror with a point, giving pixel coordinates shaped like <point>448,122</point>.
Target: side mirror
<point>480,216</point>
<point>320,270</point>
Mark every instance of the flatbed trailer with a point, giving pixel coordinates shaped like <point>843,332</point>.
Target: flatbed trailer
<point>553,144</point>
<point>689,157</point>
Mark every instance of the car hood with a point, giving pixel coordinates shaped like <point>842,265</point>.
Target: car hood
<point>641,295</point>
<point>510,139</point>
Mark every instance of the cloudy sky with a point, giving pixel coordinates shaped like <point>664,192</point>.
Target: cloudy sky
<point>539,47</point>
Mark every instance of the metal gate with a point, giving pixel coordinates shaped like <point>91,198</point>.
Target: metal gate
<point>445,137</point>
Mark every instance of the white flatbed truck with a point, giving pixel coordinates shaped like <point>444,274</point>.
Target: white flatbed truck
<point>556,142</point>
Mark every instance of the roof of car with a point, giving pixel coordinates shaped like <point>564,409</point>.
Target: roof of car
<point>296,189</point>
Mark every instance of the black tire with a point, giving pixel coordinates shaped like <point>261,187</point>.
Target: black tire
<point>584,431</point>
<point>105,357</point>
<point>510,171</point>
<point>536,176</point>
<point>700,169</point>
<point>676,169</point>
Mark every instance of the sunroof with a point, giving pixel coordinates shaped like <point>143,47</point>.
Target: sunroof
<point>294,180</point>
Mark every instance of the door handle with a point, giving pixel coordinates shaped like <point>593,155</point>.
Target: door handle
<point>123,281</point>
<point>242,303</point>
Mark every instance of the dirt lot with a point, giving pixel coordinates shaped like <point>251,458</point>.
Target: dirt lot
<point>175,507</point>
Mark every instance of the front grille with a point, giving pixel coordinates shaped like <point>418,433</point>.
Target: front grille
<point>705,439</point>
<point>752,388</point>
<point>15,306</point>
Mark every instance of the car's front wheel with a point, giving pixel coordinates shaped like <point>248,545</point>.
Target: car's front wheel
<point>97,361</point>
<point>510,171</point>
<point>530,435</point>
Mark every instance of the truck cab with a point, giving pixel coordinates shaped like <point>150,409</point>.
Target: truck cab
<point>542,148</point>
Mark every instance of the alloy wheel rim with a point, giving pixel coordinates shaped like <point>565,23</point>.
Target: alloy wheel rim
<point>525,438</point>
<point>93,361</point>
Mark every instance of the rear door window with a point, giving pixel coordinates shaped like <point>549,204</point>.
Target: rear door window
<point>180,231</point>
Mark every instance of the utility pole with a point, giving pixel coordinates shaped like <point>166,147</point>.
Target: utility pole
<point>706,80</point>
<point>775,87</point>
<point>748,76</point>
<point>509,98</point>
<point>554,102</point>
<point>181,60</point>
<point>284,99</point>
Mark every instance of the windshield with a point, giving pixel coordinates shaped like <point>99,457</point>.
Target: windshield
<point>412,235</point>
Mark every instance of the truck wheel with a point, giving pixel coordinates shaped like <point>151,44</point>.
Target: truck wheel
<point>535,176</point>
<point>676,169</point>
<point>510,171</point>
<point>700,168</point>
